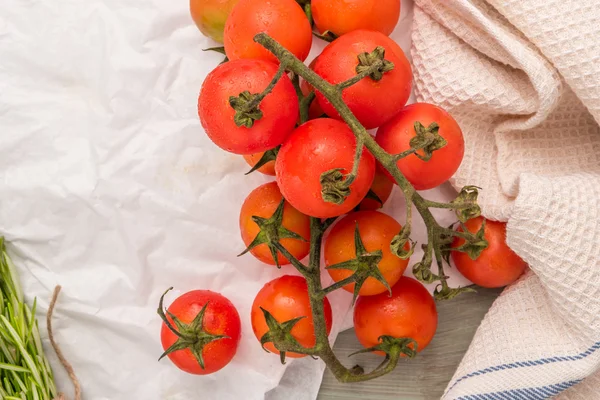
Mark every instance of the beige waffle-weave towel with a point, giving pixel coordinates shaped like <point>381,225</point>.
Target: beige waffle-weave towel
<point>522,77</point>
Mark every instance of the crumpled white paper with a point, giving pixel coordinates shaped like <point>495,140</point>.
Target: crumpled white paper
<point>110,188</point>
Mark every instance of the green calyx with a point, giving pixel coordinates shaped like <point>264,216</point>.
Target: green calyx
<point>422,273</point>
<point>448,293</point>
<point>327,36</point>
<point>367,60</point>
<point>246,109</point>
<point>364,266</point>
<point>280,334</point>
<point>393,347</point>
<point>271,232</point>
<point>474,243</point>
<point>267,157</point>
<point>190,336</point>
<point>334,186</point>
<point>466,203</point>
<point>427,140</point>
<point>399,242</point>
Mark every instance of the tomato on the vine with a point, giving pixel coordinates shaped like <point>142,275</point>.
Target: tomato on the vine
<point>318,146</point>
<point>409,313</point>
<point>283,20</point>
<point>208,332</point>
<point>395,136</point>
<point>372,101</point>
<point>210,16</point>
<point>340,17</point>
<point>497,265</point>
<point>263,202</point>
<point>253,159</point>
<point>376,231</point>
<point>286,298</point>
<point>380,191</point>
<point>243,79</point>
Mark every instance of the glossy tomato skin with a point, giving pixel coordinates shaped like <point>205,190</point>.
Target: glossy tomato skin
<point>382,187</point>
<point>210,16</point>
<point>315,147</point>
<point>410,312</point>
<point>372,102</point>
<point>279,108</point>
<point>220,318</point>
<point>267,169</point>
<point>262,202</point>
<point>283,20</point>
<point>394,137</point>
<point>497,265</point>
<point>376,231</point>
<point>286,298</point>
<point>343,16</point>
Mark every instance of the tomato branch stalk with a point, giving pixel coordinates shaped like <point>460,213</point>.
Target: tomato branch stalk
<point>336,187</point>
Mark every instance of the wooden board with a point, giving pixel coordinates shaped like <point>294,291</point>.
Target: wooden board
<point>426,376</point>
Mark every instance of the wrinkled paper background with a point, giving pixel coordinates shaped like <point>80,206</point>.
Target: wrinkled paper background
<point>109,187</point>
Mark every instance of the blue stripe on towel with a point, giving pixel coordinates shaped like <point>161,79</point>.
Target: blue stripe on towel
<point>532,363</point>
<point>538,393</point>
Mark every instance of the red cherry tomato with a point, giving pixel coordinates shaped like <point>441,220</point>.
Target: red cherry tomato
<point>394,137</point>
<point>287,298</point>
<point>497,265</point>
<point>382,188</point>
<point>376,231</point>
<point>262,202</point>
<point>210,16</point>
<point>409,313</point>
<point>316,147</point>
<point>342,16</point>
<point>372,102</point>
<point>279,108</point>
<point>220,319</point>
<point>283,20</point>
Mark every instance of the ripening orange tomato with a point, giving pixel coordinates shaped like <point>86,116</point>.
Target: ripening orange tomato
<point>286,298</point>
<point>210,16</point>
<point>343,16</point>
<point>382,188</point>
<point>409,313</point>
<point>262,202</point>
<point>267,169</point>
<point>283,20</point>
<point>376,231</point>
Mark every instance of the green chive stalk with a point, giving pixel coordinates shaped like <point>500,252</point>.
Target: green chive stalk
<point>25,373</point>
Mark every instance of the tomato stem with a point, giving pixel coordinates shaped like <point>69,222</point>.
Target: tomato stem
<point>372,65</point>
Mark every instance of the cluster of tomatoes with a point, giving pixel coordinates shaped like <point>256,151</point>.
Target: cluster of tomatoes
<point>201,329</point>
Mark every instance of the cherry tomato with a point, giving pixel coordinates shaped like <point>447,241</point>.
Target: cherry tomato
<point>210,16</point>
<point>220,319</point>
<point>395,138</point>
<point>262,202</point>
<point>376,231</point>
<point>283,20</point>
<point>343,16</point>
<point>372,102</point>
<point>314,111</point>
<point>497,265</point>
<point>382,188</point>
<point>316,147</point>
<point>409,313</point>
<point>287,298</point>
<point>279,108</point>
<point>267,169</point>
